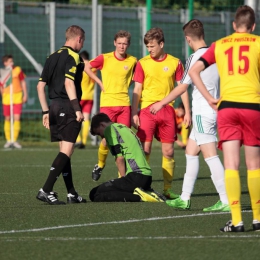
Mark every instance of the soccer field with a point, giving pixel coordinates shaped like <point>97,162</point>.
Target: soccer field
<point>30,229</point>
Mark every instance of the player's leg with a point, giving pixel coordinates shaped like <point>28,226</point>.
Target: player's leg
<point>85,126</point>
<point>103,149</point>
<point>116,190</point>
<point>230,134</point>
<point>166,134</point>
<point>252,155</point>
<point>190,176</point>
<point>217,175</point>
<point>7,126</point>
<point>17,125</point>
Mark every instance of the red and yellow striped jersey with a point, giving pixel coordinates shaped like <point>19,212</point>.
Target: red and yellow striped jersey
<point>158,77</point>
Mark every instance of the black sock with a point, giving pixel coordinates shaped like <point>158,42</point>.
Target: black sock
<point>67,177</point>
<point>55,171</point>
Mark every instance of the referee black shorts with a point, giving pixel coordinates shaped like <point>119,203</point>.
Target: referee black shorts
<point>63,123</point>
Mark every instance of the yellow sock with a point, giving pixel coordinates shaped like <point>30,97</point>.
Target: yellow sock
<point>7,130</point>
<point>102,155</point>
<point>233,187</point>
<point>168,172</point>
<point>184,134</point>
<point>253,181</point>
<point>79,138</point>
<point>17,127</point>
<point>147,157</point>
<point>85,130</point>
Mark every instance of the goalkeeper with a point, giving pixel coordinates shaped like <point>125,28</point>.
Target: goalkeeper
<point>136,174</point>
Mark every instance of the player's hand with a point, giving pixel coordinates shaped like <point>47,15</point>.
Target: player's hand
<point>135,121</point>
<point>101,87</point>
<point>187,120</point>
<point>24,99</point>
<point>213,102</point>
<point>45,121</point>
<point>79,116</point>
<point>156,107</point>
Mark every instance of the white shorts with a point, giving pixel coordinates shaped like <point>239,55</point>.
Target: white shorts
<point>204,129</point>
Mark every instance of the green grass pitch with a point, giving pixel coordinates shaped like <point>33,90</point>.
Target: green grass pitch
<point>30,229</point>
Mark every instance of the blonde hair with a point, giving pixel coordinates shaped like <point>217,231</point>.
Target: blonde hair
<point>74,31</point>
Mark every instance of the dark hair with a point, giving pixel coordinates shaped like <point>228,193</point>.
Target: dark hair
<point>84,55</point>
<point>7,57</point>
<point>194,29</point>
<point>245,16</point>
<point>96,120</point>
<point>154,34</point>
<point>123,34</point>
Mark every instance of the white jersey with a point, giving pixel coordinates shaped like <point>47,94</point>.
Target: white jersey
<point>210,78</point>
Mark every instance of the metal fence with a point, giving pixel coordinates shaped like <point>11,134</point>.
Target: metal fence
<point>31,31</point>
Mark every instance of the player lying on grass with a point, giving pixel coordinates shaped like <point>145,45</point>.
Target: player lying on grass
<point>136,174</point>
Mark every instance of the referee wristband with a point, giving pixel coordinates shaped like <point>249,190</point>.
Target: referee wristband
<point>45,112</point>
<point>75,104</point>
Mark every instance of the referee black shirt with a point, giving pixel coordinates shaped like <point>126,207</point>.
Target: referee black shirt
<point>64,63</point>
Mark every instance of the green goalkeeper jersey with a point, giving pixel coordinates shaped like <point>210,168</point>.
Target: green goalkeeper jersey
<point>122,141</point>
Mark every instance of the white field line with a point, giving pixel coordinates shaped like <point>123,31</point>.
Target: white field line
<point>15,239</point>
<point>112,222</point>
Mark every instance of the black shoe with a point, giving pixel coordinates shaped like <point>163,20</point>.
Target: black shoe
<point>230,228</point>
<point>256,225</point>
<point>96,173</point>
<point>81,146</point>
<point>51,197</point>
<point>75,199</point>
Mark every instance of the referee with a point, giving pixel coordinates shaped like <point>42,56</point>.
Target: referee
<point>62,73</point>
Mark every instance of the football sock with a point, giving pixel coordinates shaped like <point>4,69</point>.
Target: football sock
<point>233,188</point>
<point>190,177</point>
<point>55,171</point>
<point>168,171</point>
<point>78,140</point>
<point>7,130</point>
<point>217,176</point>
<point>67,177</point>
<point>17,127</point>
<point>253,181</point>
<point>147,157</point>
<point>85,130</point>
<point>102,155</point>
<point>184,134</point>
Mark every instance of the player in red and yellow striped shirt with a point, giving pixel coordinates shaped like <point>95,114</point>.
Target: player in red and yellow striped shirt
<point>19,96</point>
<point>117,69</point>
<point>155,76</point>
<point>238,60</point>
<point>87,86</point>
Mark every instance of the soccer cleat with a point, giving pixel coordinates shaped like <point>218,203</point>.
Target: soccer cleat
<point>75,199</point>
<point>179,203</point>
<point>156,194</point>
<point>219,206</point>
<point>170,195</point>
<point>8,144</point>
<point>230,228</point>
<point>96,173</point>
<point>256,225</point>
<point>146,196</point>
<point>16,145</point>
<point>49,197</point>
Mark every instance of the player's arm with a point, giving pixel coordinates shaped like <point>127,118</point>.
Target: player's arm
<point>43,101</point>
<point>186,104</point>
<point>137,92</point>
<point>93,75</point>
<point>176,92</point>
<point>115,149</point>
<point>120,163</point>
<point>24,88</point>
<point>71,92</point>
